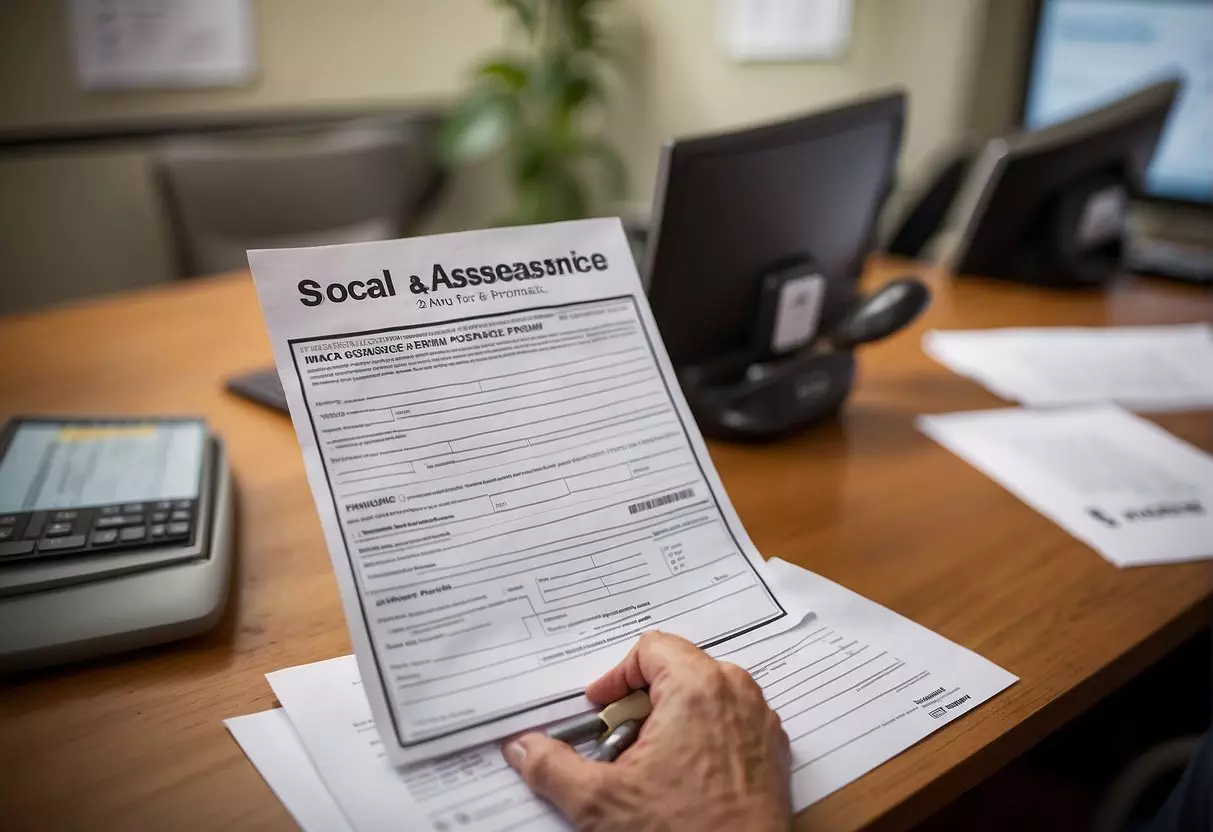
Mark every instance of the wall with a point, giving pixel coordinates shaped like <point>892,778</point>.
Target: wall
<point>85,221</point>
<point>687,84</point>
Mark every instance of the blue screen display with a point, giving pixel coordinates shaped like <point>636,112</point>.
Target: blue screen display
<point>1090,52</point>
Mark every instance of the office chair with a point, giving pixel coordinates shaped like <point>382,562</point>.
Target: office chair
<point>365,180</point>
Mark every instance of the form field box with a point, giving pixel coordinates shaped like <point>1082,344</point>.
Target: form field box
<point>540,493</point>
<point>464,637</point>
<point>434,397</point>
<point>491,439</point>
<point>596,479</point>
<point>589,590</point>
<point>454,458</point>
<point>543,374</point>
<point>361,476</point>
<point>601,421</point>
<point>546,423</point>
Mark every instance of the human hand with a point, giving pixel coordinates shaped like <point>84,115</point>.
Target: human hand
<point>711,756</point>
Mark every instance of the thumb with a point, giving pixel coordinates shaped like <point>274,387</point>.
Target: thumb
<point>555,772</point>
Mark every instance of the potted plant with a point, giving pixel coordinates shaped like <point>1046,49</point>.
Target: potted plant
<point>536,104</point>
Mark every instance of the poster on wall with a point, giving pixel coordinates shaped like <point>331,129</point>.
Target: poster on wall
<point>162,44</point>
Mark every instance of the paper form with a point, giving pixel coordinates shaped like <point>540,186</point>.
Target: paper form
<point>1122,485</point>
<point>861,685</point>
<point>1144,368</point>
<point>510,483</point>
<point>270,741</point>
<point>854,684</point>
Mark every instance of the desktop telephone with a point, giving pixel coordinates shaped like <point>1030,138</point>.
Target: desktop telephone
<point>114,534</point>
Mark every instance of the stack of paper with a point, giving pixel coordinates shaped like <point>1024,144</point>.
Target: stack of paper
<point>512,490</point>
<point>510,483</point>
<point>854,684</point>
<point>1121,484</point>
<point>1144,368</point>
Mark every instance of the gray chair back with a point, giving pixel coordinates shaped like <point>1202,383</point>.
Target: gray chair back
<point>357,182</point>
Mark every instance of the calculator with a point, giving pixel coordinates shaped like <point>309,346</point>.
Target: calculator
<point>114,534</point>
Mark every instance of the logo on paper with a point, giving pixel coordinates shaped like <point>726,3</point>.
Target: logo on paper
<point>1156,511</point>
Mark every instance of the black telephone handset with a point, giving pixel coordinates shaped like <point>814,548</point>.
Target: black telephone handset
<point>888,310</point>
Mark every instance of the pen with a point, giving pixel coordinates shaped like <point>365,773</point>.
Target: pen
<point>616,742</point>
<point>616,726</point>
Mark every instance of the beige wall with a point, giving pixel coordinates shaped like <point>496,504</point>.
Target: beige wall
<point>683,83</point>
<point>83,222</point>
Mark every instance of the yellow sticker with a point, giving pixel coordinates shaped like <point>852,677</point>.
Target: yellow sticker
<point>96,433</point>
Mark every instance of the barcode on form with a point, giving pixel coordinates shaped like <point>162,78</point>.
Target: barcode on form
<point>664,499</point>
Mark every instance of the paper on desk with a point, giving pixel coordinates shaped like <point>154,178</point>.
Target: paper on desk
<point>509,481</point>
<point>270,741</point>
<point>1122,485</point>
<point>863,684</point>
<point>1146,368</point>
<point>855,684</point>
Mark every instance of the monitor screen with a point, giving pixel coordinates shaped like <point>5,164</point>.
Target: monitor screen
<point>1089,52</point>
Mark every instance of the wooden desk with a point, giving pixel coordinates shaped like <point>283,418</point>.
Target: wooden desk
<point>137,742</point>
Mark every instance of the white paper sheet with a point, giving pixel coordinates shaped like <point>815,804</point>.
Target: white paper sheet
<point>270,741</point>
<point>510,483</point>
<point>862,685</point>
<point>1144,368</point>
<point>1122,485</point>
<point>855,684</point>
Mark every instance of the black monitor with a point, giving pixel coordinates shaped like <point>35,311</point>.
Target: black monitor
<point>1049,206</point>
<point>1086,53</point>
<point>745,221</point>
<point>731,207</point>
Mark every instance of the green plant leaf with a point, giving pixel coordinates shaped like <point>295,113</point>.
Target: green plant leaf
<point>525,11</point>
<point>566,87</point>
<point>551,73</point>
<point>531,103</point>
<point>553,195</point>
<point>510,71</point>
<point>531,158</point>
<point>584,31</point>
<point>577,90</point>
<point>614,169</point>
<point>565,196</point>
<point>478,126</point>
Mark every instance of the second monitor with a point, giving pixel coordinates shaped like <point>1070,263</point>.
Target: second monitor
<point>759,239</point>
<point>1050,206</point>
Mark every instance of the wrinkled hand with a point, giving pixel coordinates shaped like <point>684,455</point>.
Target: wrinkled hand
<point>711,756</point>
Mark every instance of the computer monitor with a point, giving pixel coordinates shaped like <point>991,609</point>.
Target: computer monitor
<point>759,239</point>
<point>1086,53</point>
<point>1048,206</point>
<point>732,207</point>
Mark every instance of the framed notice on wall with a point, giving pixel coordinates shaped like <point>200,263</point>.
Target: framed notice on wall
<point>785,30</point>
<point>162,44</point>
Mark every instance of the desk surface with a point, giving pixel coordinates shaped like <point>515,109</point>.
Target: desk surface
<point>138,742</point>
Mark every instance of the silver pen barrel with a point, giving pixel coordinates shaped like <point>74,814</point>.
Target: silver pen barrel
<point>578,729</point>
<point>616,742</point>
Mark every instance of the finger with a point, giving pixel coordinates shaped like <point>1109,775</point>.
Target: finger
<point>654,655</point>
<point>555,772</point>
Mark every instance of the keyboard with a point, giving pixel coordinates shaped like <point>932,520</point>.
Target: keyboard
<point>1183,261</point>
<point>31,535</point>
<point>260,386</point>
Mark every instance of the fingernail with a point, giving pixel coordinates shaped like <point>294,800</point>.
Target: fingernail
<point>514,753</point>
